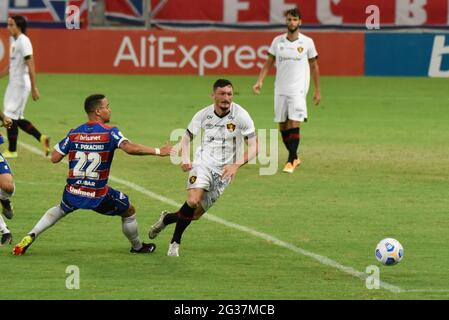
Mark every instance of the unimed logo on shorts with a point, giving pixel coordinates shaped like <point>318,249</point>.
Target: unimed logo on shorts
<point>3,51</point>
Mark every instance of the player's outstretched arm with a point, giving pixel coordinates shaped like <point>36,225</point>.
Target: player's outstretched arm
<point>141,150</point>
<point>263,73</point>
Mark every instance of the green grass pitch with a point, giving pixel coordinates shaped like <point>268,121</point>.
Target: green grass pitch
<point>375,164</point>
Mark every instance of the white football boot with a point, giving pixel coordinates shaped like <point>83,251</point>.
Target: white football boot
<point>173,250</point>
<point>158,226</point>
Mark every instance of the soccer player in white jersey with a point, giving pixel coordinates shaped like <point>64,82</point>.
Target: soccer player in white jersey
<point>226,126</point>
<point>22,82</point>
<point>295,57</point>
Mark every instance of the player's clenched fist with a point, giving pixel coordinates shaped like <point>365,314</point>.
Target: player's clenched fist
<point>186,167</point>
<point>257,87</point>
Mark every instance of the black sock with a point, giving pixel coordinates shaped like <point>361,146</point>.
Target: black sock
<point>181,225</point>
<point>185,216</point>
<point>186,211</point>
<point>13,133</point>
<point>285,138</point>
<point>28,127</point>
<point>294,139</point>
<point>170,218</point>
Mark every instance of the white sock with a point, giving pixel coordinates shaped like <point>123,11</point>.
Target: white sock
<point>5,195</point>
<point>3,227</point>
<point>129,228</point>
<point>48,219</point>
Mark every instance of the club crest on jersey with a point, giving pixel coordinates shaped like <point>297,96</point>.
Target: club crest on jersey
<point>192,179</point>
<point>300,49</point>
<point>230,126</point>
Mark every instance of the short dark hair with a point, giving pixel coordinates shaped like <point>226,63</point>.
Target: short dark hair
<point>221,83</point>
<point>92,102</point>
<point>21,23</point>
<point>293,12</point>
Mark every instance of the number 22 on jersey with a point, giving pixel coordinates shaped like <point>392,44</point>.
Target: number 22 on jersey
<point>90,172</point>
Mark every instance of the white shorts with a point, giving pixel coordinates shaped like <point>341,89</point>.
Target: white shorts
<point>15,100</point>
<point>290,107</point>
<point>201,177</point>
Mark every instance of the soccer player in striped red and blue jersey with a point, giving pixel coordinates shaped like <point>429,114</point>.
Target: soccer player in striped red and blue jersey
<point>6,189</point>
<point>90,150</point>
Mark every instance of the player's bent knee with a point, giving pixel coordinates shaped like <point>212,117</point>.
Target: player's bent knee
<point>7,183</point>
<point>292,124</point>
<point>130,212</point>
<point>193,202</point>
<point>8,188</point>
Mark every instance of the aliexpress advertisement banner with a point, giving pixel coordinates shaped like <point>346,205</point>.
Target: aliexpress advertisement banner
<point>171,52</point>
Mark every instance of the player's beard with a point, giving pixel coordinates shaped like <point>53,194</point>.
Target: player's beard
<point>224,107</point>
<point>293,29</point>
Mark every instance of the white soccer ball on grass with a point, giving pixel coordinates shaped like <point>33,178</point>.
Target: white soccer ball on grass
<point>389,251</point>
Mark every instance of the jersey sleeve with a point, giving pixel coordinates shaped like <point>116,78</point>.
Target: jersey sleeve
<point>26,47</point>
<point>194,126</point>
<point>272,49</point>
<point>63,146</point>
<point>312,53</point>
<point>117,138</point>
<point>248,129</point>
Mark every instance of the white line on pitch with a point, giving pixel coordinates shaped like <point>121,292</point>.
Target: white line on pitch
<point>321,259</point>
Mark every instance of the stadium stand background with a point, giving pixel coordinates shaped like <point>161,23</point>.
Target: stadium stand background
<point>232,36</point>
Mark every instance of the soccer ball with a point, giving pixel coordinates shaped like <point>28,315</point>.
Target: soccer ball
<point>389,251</point>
